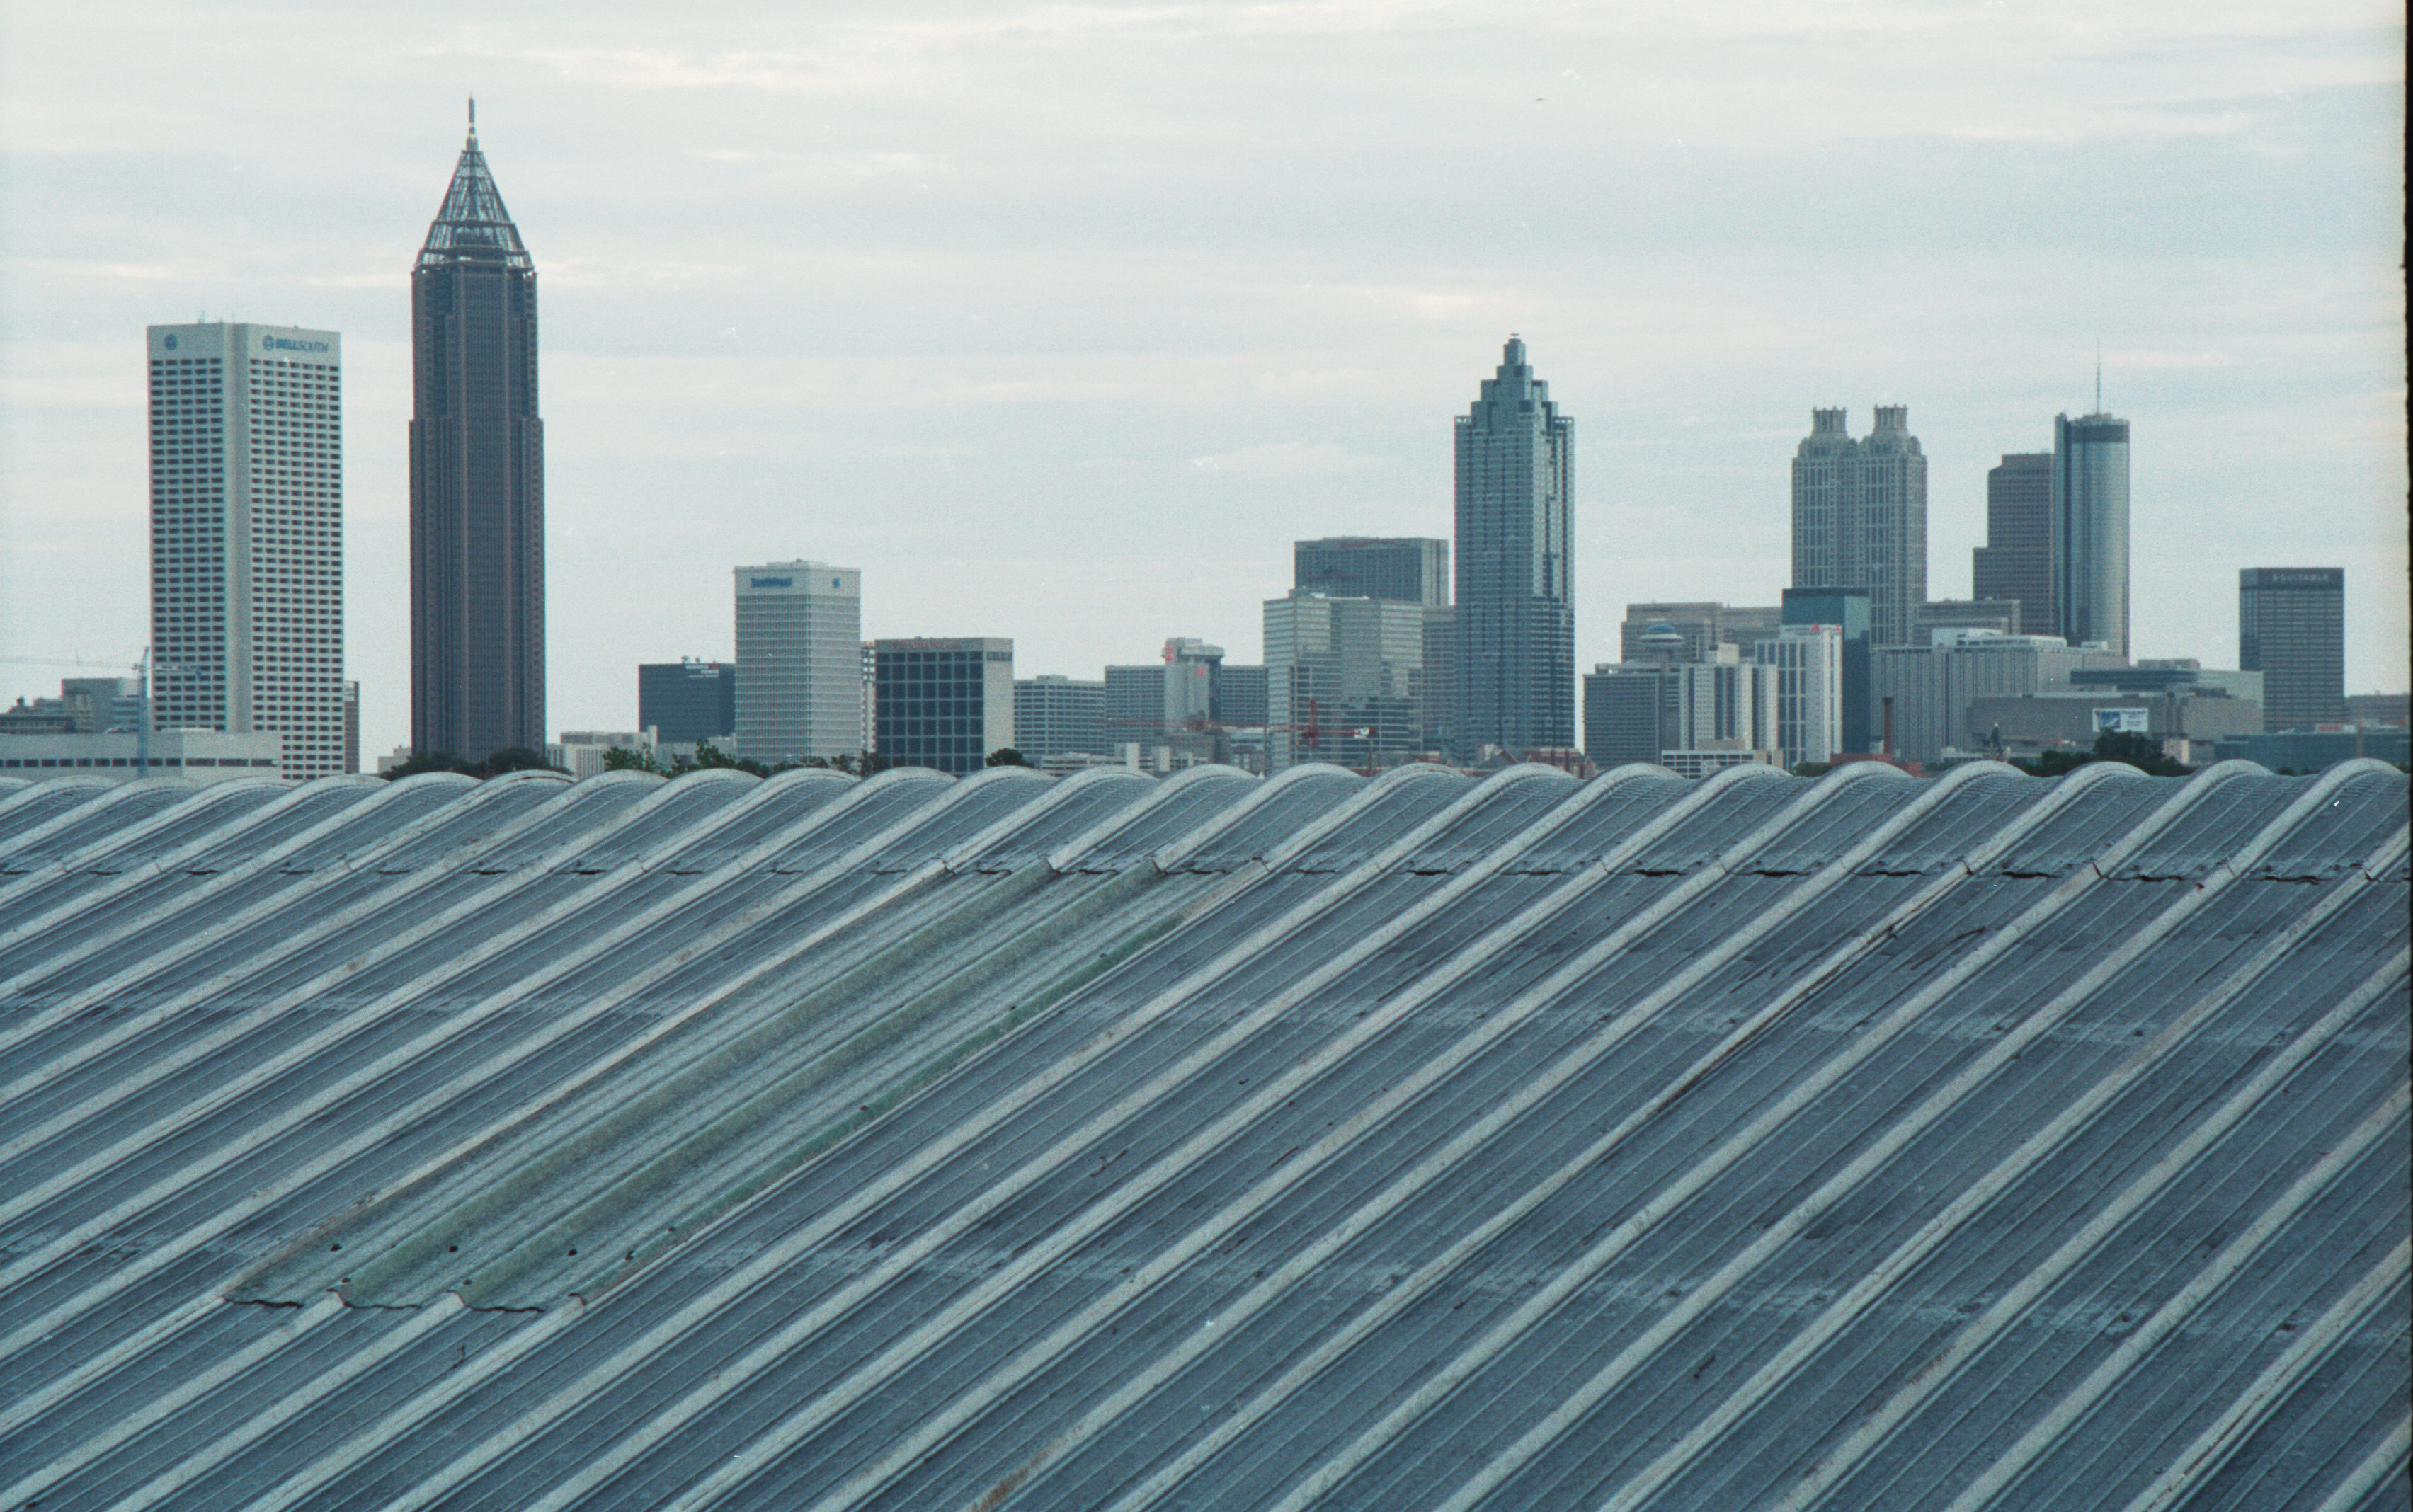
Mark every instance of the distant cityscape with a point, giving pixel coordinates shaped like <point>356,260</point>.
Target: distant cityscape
<point>1379,651</point>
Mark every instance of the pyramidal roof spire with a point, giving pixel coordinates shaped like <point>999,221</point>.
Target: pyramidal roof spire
<point>472,226</point>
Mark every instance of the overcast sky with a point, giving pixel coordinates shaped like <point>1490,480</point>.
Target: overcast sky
<point>1061,321</point>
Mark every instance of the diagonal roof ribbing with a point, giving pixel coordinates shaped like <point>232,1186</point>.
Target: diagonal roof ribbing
<point>1632,1144</point>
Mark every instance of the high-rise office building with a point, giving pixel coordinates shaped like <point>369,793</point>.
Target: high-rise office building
<point>1056,717</point>
<point>1413,568</point>
<point>1859,516</point>
<point>1405,569</point>
<point>2090,526</point>
<point>247,537</point>
<point>2015,562</point>
<point>1690,716</point>
<point>1191,675</point>
<point>1240,692</point>
<point>477,479</point>
<point>799,661</point>
<point>685,701</point>
<point>1341,677</point>
<point>1621,714</point>
<point>1135,710</point>
<point>2291,629</point>
<point>1853,616</point>
<point>1808,660</point>
<point>1516,685</point>
<point>944,702</point>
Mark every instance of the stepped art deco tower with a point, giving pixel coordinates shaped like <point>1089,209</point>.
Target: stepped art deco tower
<point>477,479</point>
<point>1516,606</point>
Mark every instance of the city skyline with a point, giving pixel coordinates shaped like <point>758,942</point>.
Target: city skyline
<point>868,347</point>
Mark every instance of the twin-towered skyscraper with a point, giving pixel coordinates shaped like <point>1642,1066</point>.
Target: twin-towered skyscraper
<point>477,479</point>
<point>1859,517</point>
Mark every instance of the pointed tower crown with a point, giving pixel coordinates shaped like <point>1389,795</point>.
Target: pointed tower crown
<point>473,225</point>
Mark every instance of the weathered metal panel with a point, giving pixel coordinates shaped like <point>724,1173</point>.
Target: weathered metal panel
<point>1865,1141</point>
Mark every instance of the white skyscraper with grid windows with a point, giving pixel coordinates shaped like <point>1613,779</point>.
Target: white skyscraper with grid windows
<point>247,537</point>
<point>800,662</point>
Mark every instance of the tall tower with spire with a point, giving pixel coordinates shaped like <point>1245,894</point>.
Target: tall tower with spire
<point>1515,604</point>
<point>477,479</point>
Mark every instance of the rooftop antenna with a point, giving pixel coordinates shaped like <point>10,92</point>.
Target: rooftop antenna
<point>473,118</point>
<point>2098,374</point>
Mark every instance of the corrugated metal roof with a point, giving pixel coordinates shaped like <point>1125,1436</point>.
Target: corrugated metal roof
<point>1637,1143</point>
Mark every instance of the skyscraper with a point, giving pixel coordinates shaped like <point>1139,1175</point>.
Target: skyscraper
<point>1851,614</point>
<point>1516,685</point>
<point>1807,662</point>
<point>2291,629</point>
<point>1859,516</point>
<point>2015,562</point>
<point>799,686</point>
<point>1408,569</point>
<point>1341,675</point>
<point>2090,525</point>
<point>247,535</point>
<point>477,479</point>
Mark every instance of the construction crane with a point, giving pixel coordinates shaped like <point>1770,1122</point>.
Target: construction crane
<point>1312,733</point>
<point>141,667</point>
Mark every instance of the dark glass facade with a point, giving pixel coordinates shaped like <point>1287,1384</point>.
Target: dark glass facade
<point>2015,562</point>
<point>943,703</point>
<point>2291,629</point>
<point>1366,566</point>
<point>687,701</point>
<point>2090,543</point>
<point>1848,609</point>
<point>1516,606</point>
<point>477,480</point>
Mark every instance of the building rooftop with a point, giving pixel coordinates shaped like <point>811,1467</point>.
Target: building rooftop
<point>1108,1142</point>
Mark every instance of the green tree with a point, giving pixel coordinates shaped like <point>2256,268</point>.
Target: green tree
<point>2127,747</point>
<point>620,759</point>
<point>1005,755</point>
<point>425,762</point>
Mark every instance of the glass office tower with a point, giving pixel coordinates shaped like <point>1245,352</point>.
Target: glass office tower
<point>1515,629</point>
<point>2291,629</point>
<point>477,480</point>
<point>2090,510</point>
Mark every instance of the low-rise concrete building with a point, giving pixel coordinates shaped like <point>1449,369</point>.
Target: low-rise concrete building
<point>205,756</point>
<point>2071,721</point>
<point>1931,688</point>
